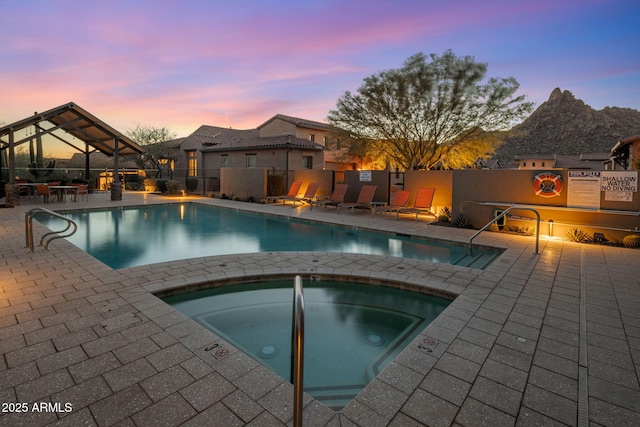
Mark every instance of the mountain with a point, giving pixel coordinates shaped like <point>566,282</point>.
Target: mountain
<point>566,125</point>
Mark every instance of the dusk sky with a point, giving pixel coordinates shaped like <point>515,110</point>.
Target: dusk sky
<point>181,64</point>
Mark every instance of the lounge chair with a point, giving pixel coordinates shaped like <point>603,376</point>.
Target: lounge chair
<point>399,201</point>
<point>335,199</point>
<point>293,192</point>
<point>365,199</point>
<point>422,205</point>
<point>308,196</point>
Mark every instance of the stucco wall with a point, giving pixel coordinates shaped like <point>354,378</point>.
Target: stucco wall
<point>498,189</point>
<point>244,183</point>
<point>277,127</point>
<point>322,177</point>
<point>378,178</point>
<point>269,159</point>
<point>479,192</point>
<point>516,187</point>
<point>442,181</point>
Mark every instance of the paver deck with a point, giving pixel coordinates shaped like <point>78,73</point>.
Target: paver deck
<point>548,339</point>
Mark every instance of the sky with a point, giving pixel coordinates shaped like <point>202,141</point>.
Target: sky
<point>184,63</point>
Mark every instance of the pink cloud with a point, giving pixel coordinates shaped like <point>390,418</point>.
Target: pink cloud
<point>183,64</point>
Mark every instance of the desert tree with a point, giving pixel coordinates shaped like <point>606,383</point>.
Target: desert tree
<point>156,142</point>
<point>433,112</point>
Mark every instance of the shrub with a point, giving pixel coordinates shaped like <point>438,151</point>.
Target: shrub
<point>172,186</point>
<point>445,212</point>
<point>161,185</point>
<point>150,185</point>
<point>132,186</point>
<point>444,215</point>
<point>631,241</point>
<point>578,236</point>
<point>462,221</point>
<point>235,198</point>
<point>191,184</point>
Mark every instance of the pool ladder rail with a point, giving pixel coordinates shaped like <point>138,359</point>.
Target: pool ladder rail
<point>297,350</point>
<point>50,236</point>
<point>498,217</point>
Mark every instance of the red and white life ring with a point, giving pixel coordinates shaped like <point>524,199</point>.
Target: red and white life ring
<point>547,184</point>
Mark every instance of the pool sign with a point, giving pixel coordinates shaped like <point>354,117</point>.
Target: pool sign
<point>584,189</point>
<point>619,186</point>
<point>365,176</point>
<point>619,181</point>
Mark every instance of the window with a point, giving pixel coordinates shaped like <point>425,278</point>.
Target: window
<point>312,137</point>
<point>251,160</point>
<point>533,164</point>
<point>307,162</point>
<point>192,163</point>
<point>326,141</point>
<point>337,143</point>
<point>224,160</point>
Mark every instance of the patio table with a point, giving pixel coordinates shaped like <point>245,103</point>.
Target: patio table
<point>63,191</point>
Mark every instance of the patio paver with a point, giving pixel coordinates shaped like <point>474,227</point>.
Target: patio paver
<point>549,339</point>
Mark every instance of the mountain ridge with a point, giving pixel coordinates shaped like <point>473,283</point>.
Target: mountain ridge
<point>566,125</point>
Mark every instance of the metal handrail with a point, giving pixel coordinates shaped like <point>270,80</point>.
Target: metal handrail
<point>297,350</point>
<point>502,215</point>
<point>28,225</point>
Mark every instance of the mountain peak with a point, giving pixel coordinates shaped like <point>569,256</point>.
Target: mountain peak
<point>559,96</point>
<point>565,125</point>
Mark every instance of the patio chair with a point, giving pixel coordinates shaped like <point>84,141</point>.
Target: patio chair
<point>308,197</point>
<point>293,192</point>
<point>422,205</point>
<point>399,201</point>
<point>335,199</point>
<point>44,191</point>
<point>81,191</point>
<point>365,199</point>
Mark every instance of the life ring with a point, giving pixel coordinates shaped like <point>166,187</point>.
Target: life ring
<point>547,184</point>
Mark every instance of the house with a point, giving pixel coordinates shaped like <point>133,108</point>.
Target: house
<point>589,161</point>
<point>487,164</point>
<point>625,154</point>
<point>281,143</point>
<point>335,155</point>
<point>210,148</point>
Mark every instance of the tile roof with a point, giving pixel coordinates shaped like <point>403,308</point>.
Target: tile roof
<point>571,161</point>
<point>309,124</point>
<point>215,138</point>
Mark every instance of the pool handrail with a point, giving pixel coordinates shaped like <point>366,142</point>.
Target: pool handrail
<point>502,215</point>
<point>28,223</point>
<point>297,350</point>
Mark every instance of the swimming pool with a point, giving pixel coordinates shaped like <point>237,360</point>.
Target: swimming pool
<point>352,330</point>
<point>141,235</point>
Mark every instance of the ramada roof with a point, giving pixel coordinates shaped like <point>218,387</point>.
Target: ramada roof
<point>215,138</point>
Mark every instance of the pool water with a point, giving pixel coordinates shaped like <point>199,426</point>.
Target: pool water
<point>134,236</point>
<point>352,331</point>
